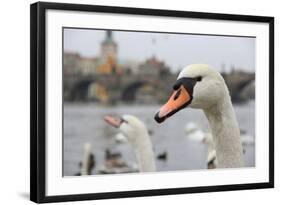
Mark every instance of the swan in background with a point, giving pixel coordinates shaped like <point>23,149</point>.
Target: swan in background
<point>88,161</point>
<point>247,139</point>
<point>196,134</point>
<point>212,161</point>
<point>120,138</point>
<point>199,86</point>
<point>137,135</point>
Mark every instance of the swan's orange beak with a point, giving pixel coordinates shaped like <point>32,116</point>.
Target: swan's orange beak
<point>113,121</point>
<point>180,98</point>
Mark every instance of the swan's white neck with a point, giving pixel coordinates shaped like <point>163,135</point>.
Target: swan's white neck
<point>85,169</point>
<point>226,133</point>
<point>144,152</point>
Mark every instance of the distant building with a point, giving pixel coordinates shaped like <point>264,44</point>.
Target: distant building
<point>153,66</point>
<point>71,63</point>
<point>87,66</point>
<point>108,48</point>
<point>108,59</point>
<point>130,66</point>
<point>105,64</point>
<point>74,64</point>
<point>108,62</point>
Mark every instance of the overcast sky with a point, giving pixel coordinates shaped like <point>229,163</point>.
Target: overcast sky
<point>177,50</point>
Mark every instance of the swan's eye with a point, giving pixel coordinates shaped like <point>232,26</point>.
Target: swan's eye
<point>199,78</point>
<point>177,94</point>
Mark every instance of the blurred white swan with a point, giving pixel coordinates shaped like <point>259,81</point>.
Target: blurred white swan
<point>137,135</point>
<point>88,161</point>
<point>194,133</point>
<point>120,138</point>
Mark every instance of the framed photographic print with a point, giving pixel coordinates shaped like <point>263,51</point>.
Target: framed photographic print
<point>129,102</point>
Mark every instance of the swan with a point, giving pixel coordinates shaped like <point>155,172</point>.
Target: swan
<point>247,139</point>
<point>201,87</point>
<point>193,132</point>
<point>120,138</point>
<point>196,134</point>
<point>137,135</point>
<point>88,161</point>
<point>212,161</point>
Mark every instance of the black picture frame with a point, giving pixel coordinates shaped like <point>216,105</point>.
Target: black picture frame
<point>38,100</point>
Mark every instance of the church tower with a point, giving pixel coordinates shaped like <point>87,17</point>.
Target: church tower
<point>108,48</point>
<point>108,59</point>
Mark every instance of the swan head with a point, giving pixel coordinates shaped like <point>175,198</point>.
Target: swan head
<point>197,86</point>
<point>130,126</point>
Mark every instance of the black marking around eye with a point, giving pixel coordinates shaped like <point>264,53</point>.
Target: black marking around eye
<point>177,94</point>
<point>177,84</point>
<point>199,78</point>
<point>122,120</point>
<point>188,84</point>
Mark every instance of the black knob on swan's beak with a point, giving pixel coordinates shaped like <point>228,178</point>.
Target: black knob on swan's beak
<point>159,119</point>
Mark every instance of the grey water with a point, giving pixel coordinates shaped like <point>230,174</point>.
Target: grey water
<point>84,123</point>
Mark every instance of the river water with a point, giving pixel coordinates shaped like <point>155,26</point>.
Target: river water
<point>84,123</point>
